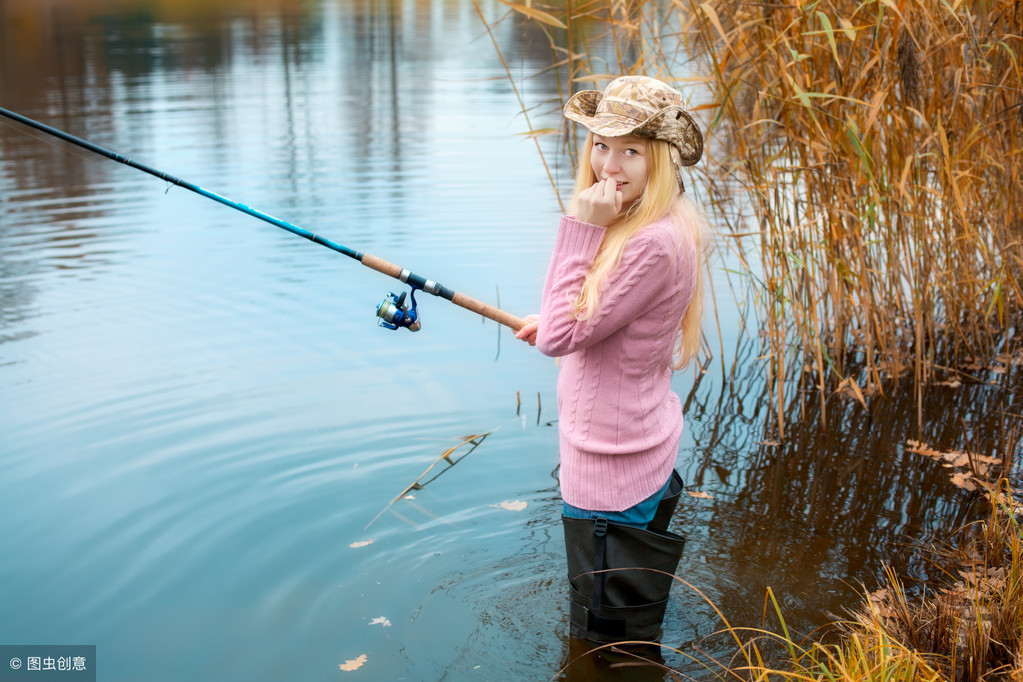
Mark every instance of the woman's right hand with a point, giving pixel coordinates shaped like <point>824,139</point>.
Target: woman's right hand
<point>528,331</point>
<point>599,204</point>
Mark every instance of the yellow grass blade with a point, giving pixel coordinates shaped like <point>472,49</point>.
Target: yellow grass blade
<point>533,13</point>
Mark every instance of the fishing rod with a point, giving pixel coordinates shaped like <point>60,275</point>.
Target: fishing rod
<point>393,311</point>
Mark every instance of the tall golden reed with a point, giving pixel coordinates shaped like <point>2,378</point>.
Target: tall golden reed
<point>878,146</point>
<point>881,145</point>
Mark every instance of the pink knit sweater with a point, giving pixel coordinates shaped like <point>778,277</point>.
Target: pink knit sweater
<point>618,420</point>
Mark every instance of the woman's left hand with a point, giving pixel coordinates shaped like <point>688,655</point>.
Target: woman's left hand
<point>528,332</point>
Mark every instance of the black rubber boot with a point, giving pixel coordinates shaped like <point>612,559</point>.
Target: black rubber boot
<point>666,508</point>
<point>619,605</point>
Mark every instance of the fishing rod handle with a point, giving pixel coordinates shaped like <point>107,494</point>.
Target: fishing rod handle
<point>469,303</point>
<point>488,311</point>
<point>380,265</point>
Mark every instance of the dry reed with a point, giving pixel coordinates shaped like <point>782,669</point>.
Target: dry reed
<point>880,144</point>
<point>877,147</point>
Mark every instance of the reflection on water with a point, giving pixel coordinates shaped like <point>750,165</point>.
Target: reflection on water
<point>200,417</point>
<point>814,516</point>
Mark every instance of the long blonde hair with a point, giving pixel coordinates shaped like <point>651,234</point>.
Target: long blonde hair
<point>660,197</point>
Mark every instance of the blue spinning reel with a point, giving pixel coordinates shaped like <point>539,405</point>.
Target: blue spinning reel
<point>393,312</point>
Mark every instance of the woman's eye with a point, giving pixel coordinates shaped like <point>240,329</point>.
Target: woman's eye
<point>631,152</point>
<point>601,146</point>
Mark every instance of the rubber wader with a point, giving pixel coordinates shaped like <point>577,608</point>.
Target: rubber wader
<point>613,598</point>
<point>666,508</point>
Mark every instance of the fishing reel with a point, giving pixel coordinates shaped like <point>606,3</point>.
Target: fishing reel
<point>393,312</point>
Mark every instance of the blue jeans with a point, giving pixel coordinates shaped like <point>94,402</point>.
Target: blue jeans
<point>638,515</point>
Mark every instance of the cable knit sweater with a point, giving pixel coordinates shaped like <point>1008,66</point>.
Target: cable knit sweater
<point>619,422</point>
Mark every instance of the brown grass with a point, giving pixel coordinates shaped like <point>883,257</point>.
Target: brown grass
<point>970,627</point>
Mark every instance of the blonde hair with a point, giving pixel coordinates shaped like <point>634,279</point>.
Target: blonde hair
<point>660,197</point>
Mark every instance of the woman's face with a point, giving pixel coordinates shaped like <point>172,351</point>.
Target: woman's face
<point>624,159</point>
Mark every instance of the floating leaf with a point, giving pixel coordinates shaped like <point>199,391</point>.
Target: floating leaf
<point>361,543</point>
<point>517,505</point>
<point>381,621</point>
<point>353,664</point>
<point>957,459</point>
<point>964,481</point>
<point>701,495</point>
<point>922,449</point>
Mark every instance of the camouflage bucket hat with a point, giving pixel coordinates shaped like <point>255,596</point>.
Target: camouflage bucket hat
<point>640,106</point>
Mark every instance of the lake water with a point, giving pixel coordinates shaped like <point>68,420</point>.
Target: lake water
<point>202,427</point>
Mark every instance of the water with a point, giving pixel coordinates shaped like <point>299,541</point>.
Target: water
<point>202,429</point>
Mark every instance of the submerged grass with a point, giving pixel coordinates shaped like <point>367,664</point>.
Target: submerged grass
<point>868,152</point>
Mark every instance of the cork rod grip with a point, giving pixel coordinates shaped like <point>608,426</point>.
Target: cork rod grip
<point>488,311</point>
<point>380,265</point>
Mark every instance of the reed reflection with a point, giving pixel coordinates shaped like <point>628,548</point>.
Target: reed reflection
<point>818,515</point>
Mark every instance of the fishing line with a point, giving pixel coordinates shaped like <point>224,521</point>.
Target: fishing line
<point>393,311</point>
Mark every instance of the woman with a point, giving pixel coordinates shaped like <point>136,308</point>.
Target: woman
<point>621,305</point>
